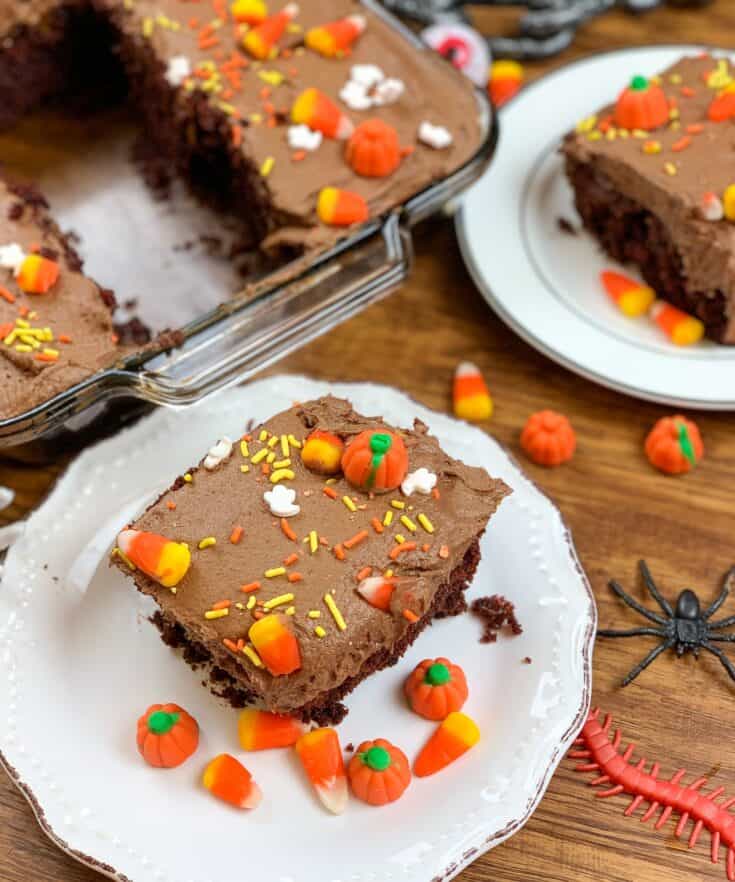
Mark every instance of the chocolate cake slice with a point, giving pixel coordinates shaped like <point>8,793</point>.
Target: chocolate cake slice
<point>271,565</point>
<point>654,196</point>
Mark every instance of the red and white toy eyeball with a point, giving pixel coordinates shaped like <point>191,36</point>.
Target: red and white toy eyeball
<point>464,47</point>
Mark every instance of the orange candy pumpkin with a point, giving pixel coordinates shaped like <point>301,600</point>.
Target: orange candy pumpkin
<point>167,736</point>
<point>373,150</point>
<point>548,438</point>
<point>674,445</point>
<point>379,772</point>
<point>375,460</point>
<point>643,105</point>
<point>436,688</point>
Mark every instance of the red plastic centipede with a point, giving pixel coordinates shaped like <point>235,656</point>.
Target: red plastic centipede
<point>603,755</point>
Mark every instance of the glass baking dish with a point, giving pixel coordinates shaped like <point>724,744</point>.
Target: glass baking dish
<point>264,322</point>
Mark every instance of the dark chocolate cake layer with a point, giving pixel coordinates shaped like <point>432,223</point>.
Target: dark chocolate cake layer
<point>286,576</point>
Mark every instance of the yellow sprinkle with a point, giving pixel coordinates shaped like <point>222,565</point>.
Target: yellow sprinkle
<point>675,78</point>
<point>263,435</point>
<point>271,457</point>
<point>22,323</point>
<point>173,589</point>
<point>267,166</point>
<point>245,449</point>
<point>259,456</point>
<point>426,523</point>
<point>147,26</point>
<point>320,632</point>
<point>293,28</point>
<point>282,475</point>
<point>117,552</point>
<point>388,574</point>
<point>272,77</point>
<point>54,353</point>
<point>245,469</point>
<point>207,542</point>
<point>188,478</point>
<point>10,339</point>
<point>313,541</point>
<point>408,523</point>
<point>639,133</point>
<point>400,538</point>
<point>256,118</point>
<point>674,113</point>
<point>611,134</point>
<point>587,124</point>
<point>388,518</point>
<point>227,108</point>
<point>624,133</point>
<point>282,463</point>
<point>349,503</point>
<point>656,80</point>
<point>652,147</point>
<point>216,613</point>
<point>241,606</point>
<point>670,168</point>
<point>397,503</point>
<point>252,655</point>
<point>285,450</point>
<point>294,442</point>
<point>594,136</point>
<point>251,602</point>
<point>336,614</point>
<point>275,571</point>
<point>278,601</point>
<point>291,611</point>
<point>331,481</point>
<point>23,347</point>
<point>273,441</point>
<point>674,125</point>
<point>314,614</point>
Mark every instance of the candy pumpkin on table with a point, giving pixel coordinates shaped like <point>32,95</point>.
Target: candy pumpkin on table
<point>548,438</point>
<point>435,688</point>
<point>674,445</point>
<point>379,772</point>
<point>375,460</point>
<point>167,736</point>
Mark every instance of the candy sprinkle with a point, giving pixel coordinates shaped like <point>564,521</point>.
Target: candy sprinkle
<point>251,602</point>
<point>245,449</point>
<point>356,539</point>
<point>320,632</point>
<point>313,541</point>
<point>425,523</point>
<point>330,492</point>
<point>252,655</point>
<point>400,549</point>
<point>250,587</point>
<point>408,523</point>
<point>287,531</point>
<point>334,610</point>
<point>349,503</point>
<point>207,542</point>
<point>267,166</point>
<point>236,534</point>
<point>278,601</point>
<point>275,571</point>
<point>397,503</point>
<point>282,475</point>
<point>410,616</point>
<point>388,519</point>
<point>314,614</point>
<point>216,613</point>
<point>259,456</point>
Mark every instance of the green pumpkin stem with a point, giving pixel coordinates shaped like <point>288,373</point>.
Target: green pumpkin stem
<point>376,758</point>
<point>685,443</point>
<point>639,83</point>
<point>162,722</point>
<point>380,444</point>
<point>437,675</point>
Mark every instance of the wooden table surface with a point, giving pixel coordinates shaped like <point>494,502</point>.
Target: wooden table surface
<point>619,510</point>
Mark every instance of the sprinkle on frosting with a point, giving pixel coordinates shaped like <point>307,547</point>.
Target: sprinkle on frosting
<point>281,500</point>
<point>437,137</point>
<point>420,481</point>
<point>218,454</point>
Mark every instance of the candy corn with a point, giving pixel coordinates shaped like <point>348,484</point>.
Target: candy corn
<point>506,79</point>
<point>341,208</point>
<point>334,39</point>
<point>37,274</point>
<point>260,730</point>
<point>321,756</point>
<point>723,105</point>
<point>472,400</point>
<point>261,41</point>
<point>164,560</point>
<point>322,452</point>
<point>454,736</point>
<point>378,591</point>
<point>230,781</point>
<point>314,109</point>
<point>680,328</point>
<point>276,644</point>
<point>728,202</point>
<point>631,298</point>
<point>711,207</point>
<point>251,12</point>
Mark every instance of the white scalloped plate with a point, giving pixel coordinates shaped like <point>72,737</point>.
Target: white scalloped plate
<point>79,663</point>
<point>544,283</point>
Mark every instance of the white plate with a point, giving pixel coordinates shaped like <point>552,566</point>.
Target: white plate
<point>79,663</point>
<point>544,283</point>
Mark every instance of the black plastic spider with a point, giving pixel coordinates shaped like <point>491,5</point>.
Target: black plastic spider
<point>685,629</point>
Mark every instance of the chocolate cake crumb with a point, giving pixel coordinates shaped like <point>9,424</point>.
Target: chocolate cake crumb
<point>526,660</point>
<point>495,612</point>
<point>350,748</point>
<point>566,226</point>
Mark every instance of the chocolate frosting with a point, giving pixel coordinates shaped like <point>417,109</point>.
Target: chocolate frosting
<point>216,500</point>
<point>706,249</point>
<point>74,306</point>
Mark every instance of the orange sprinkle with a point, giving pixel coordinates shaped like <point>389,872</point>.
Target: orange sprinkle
<point>687,91</point>
<point>435,493</point>
<point>247,437</point>
<point>293,72</point>
<point>230,644</point>
<point>171,505</point>
<point>7,295</point>
<point>227,94</point>
<point>23,311</point>
<point>236,534</point>
<point>356,539</point>
<point>295,577</point>
<point>323,540</point>
<point>286,53</point>
<point>328,491</point>
<point>399,549</point>
<point>298,156</point>
<point>250,587</point>
<point>240,644</point>
<point>42,356</point>
<point>5,329</point>
<point>291,559</point>
<point>193,23</point>
<point>265,93</point>
<point>695,128</point>
<point>258,614</point>
<point>287,531</point>
<point>34,247</point>
<point>271,122</point>
<point>265,468</point>
<point>115,338</point>
<point>64,338</point>
<point>269,107</point>
<point>363,573</point>
<point>444,552</point>
<point>376,525</point>
<point>681,144</point>
<point>203,73</point>
<point>339,552</point>
<point>407,151</point>
<point>221,604</point>
<point>410,616</point>
<point>426,546</point>
<point>208,42</point>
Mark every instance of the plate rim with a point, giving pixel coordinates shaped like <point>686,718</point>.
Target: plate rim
<point>474,849</point>
<point>461,225</point>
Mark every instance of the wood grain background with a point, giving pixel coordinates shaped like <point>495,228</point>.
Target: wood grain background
<point>680,711</point>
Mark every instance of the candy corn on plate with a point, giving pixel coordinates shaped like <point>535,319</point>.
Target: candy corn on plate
<point>548,280</point>
<point>138,771</point>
